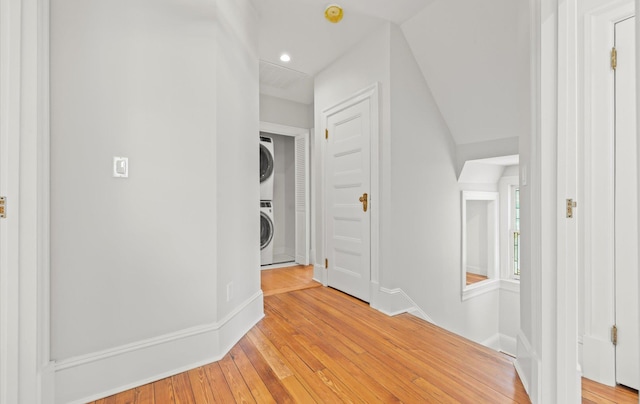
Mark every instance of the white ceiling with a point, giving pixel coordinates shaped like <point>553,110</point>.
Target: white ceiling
<point>473,54</point>
<point>298,27</point>
<point>476,63</point>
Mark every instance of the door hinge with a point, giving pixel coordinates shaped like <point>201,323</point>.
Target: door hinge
<point>614,335</point>
<point>326,263</point>
<point>326,133</point>
<point>3,207</point>
<point>571,204</point>
<point>614,58</point>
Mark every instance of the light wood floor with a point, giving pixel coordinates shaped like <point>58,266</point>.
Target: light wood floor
<point>282,280</point>
<point>474,278</point>
<point>316,344</point>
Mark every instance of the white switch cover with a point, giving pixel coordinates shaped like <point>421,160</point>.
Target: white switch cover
<point>120,167</point>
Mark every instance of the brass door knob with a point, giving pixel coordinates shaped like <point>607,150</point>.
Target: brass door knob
<point>365,201</point>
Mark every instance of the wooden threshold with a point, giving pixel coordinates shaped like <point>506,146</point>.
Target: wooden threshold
<point>289,279</point>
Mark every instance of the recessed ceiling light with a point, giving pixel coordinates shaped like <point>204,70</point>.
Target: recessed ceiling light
<point>333,13</point>
<point>285,57</point>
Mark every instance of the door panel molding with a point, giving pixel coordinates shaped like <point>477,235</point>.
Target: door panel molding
<point>372,94</point>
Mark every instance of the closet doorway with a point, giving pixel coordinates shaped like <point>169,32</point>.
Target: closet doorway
<point>290,203</point>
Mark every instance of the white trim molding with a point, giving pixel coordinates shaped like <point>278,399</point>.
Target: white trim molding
<point>90,377</point>
<point>528,367</point>
<point>597,250</point>
<point>372,93</point>
<point>395,301</point>
<point>25,368</point>
<point>480,288</point>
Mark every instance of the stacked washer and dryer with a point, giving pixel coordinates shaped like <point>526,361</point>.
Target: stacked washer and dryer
<point>266,200</point>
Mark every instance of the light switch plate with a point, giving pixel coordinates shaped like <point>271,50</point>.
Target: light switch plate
<point>121,167</point>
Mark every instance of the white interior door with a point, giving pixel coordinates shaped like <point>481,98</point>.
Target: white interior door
<point>303,218</point>
<point>348,179</point>
<point>626,209</point>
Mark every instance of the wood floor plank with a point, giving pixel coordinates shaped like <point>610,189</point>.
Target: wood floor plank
<point>319,345</point>
<point>257,387</point>
<point>163,391</point>
<point>308,378</point>
<point>297,390</point>
<point>144,394</point>
<point>599,393</point>
<point>237,385</point>
<point>219,386</point>
<point>269,352</point>
<point>279,332</point>
<point>200,385</point>
<point>182,391</point>
<point>339,389</point>
<point>126,397</point>
<point>268,376</point>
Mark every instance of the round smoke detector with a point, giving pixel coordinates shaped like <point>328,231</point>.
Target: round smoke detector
<point>333,13</point>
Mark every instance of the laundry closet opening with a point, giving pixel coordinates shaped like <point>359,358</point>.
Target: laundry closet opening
<point>284,194</point>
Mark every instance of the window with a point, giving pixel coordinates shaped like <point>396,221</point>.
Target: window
<point>515,232</point>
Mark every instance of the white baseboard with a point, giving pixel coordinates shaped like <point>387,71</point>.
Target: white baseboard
<point>598,360</point>
<point>528,367</point>
<point>492,342</point>
<point>101,374</point>
<point>46,380</point>
<point>320,274</point>
<point>508,345</point>
<point>395,301</point>
<point>502,343</point>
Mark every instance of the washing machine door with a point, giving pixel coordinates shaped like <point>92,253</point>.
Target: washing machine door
<point>266,230</point>
<point>266,163</point>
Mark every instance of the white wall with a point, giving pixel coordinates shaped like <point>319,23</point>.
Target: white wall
<point>237,131</point>
<point>121,247</point>
<point>419,189</point>
<point>140,266</point>
<point>285,112</point>
<point>426,199</point>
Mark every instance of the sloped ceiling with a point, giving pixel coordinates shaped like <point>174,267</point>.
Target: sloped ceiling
<point>473,54</point>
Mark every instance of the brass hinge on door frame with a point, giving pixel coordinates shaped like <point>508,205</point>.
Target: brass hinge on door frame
<point>326,133</point>
<point>614,335</point>
<point>571,204</point>
<point>326,263</point>
<point>3,207</point>
<point>614,58</point>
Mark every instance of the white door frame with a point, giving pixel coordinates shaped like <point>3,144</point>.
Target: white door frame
<point>638,112</point>
<point>598,352</point>
<point>293,131</point>
<point>372,92</point>
<point>552,283</point>
<point>568,372</point>
<point>26,372</point>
